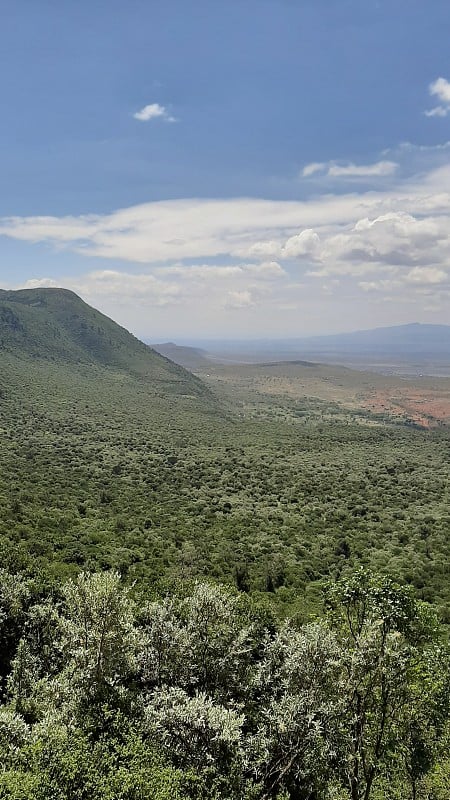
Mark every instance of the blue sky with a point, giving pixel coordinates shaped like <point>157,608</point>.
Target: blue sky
<point>255,167</point>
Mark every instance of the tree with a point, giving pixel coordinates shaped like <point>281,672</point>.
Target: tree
<point>297,729</point>
<point>22,680</point>
<point>195,731</point>
<point>99,637</point>
<point>163,644</point>
<point>385,635</point>
<point>426,715</point>
<point>220,641</point>
<point>203,643</point>
<point>14,593</point>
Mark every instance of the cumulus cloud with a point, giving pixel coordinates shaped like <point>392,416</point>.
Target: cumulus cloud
<point>305,243</point>
<point>440,88</point>
<point>408,225</point>
<point>153,111</point>
<point>116,285</point>
<point>245,253</point>
<point>266,270</point>
<point>332,169</point>
<point>424,275</point>
<point>238,300</point>
<point>377,242</point>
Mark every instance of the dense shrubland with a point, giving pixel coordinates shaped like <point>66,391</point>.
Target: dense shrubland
<point>204,694</point>
<point>124,486</point>
<point>98,473</point>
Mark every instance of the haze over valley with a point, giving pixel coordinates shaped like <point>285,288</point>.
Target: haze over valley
<point>413,350</point>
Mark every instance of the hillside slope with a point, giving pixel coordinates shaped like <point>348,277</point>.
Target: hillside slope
<point>189,357</point>
<point>57,326</point>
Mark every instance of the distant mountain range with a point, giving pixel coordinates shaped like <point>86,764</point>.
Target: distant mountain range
<point>408,348</point>
<point>400,339</point>
<point>414,338</point>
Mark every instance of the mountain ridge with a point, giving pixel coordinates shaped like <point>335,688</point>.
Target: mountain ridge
<point>416,337</point>
<point>414,334</point>
<point>410,349</point>
<point>57,325</point>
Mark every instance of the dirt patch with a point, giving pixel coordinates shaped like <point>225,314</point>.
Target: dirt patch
<point>418,401</point>
<point>427,408</point>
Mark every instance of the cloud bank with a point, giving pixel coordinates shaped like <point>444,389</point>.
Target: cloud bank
<point>275,265</point>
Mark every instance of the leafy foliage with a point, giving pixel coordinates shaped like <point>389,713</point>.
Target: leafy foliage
<point>297,711</point>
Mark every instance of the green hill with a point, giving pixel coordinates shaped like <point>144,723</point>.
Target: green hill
<point>92,422</point>
<point>56,325</point>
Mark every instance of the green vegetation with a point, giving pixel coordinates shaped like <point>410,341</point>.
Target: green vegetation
<point>116,462</point>
<point>205,695</point>
<point>56,325</point>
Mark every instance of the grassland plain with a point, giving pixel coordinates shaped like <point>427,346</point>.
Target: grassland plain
<point>114,457</point>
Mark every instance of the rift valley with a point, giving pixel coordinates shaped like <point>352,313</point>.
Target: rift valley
<point>157,528</point>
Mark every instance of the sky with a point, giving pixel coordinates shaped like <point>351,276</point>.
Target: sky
<point>240,169</point>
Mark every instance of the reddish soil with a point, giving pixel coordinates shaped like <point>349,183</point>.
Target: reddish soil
<point>425,407</point>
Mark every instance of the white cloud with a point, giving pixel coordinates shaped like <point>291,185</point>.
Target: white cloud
<point>238,300</point>
<point>440,88</point>
<point>40,283</point>
<point>424,279</point>
<point>153,111</point>
<point>210,272</point>
<point>438,111</point>
<point>181,285</point>
<point>259,255</point>
<point>331,169</point>
<point>385,285</point>
<point>267,269</point>
<point>268,249</point>
<point>378,170</point>
<point>407,225</point>
<point>200,271</point>
<point>116,285</point>
<point>169,230</point>
<point>424,275</point>
<point>312,169</point>
<point>133,286</point>
<point>411,148</point>
<point>305,243</point>
<point>390,241</point>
